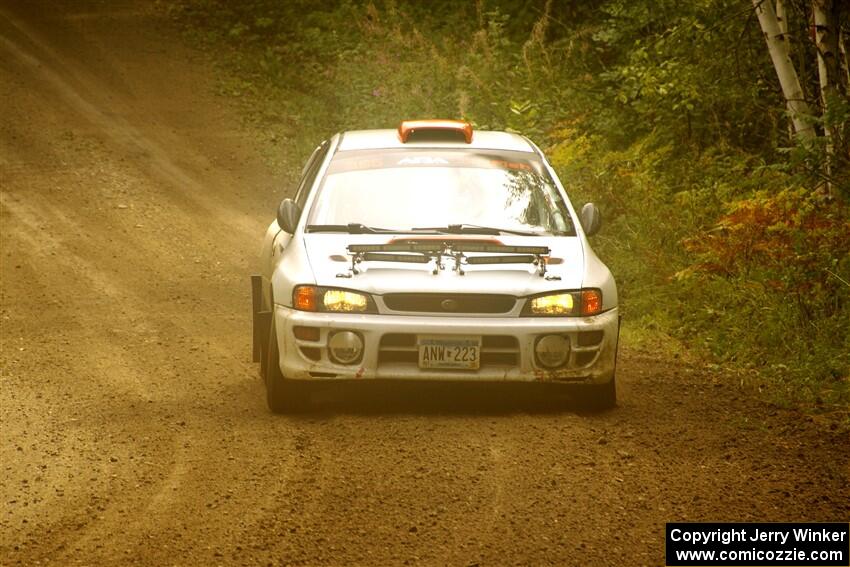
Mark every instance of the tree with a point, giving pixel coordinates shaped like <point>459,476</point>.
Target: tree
<point>826,36</point>
<point>777,46</point>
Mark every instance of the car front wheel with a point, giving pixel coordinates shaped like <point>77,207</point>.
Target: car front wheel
<point>599,396</point>
<point>282,395</point>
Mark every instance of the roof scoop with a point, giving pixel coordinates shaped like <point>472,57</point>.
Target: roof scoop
<point>435,131</point>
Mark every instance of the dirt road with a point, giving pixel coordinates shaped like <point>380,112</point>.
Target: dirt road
<point>134,427</point>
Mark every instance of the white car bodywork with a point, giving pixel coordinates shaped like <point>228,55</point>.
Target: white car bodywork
<point>390,335</point>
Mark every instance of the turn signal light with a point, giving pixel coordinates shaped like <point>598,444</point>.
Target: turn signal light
<point>591,301</point>
<point>304,298</point>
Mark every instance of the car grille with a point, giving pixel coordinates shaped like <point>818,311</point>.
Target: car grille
<point>450,302</point>
<point>401,348</point>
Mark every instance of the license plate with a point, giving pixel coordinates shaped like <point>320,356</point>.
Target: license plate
<point>439,351</point>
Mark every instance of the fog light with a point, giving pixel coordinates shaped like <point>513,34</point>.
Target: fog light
<point>552,350</point>
<point>345,347</point>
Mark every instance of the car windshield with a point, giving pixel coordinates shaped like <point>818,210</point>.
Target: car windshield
<point>410,189</point>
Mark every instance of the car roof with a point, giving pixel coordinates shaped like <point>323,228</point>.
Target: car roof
<point>389,139</point>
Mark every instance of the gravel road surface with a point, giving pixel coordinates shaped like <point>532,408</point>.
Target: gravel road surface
<point>134,425</point>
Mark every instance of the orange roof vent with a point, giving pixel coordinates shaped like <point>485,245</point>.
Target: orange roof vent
<point>433,130</point>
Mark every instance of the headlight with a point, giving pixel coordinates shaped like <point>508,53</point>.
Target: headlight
<point>557,304</point>
<point>332,300</point>
<point>565,304</point>
<point>346,301</point>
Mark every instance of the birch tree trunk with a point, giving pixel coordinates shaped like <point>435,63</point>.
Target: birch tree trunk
<point>782,19</point>
<point>826,58</point>
<point>845,64</point>
<point>826,39</point>
<point>801,114</point>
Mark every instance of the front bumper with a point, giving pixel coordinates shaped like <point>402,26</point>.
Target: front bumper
<point>390,350</point>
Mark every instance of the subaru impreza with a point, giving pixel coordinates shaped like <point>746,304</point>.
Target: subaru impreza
<point>432,252</point>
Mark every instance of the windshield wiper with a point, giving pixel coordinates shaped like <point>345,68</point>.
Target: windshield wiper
<point>467,228</point>
<point>359,228</point>
<point>350,228</point>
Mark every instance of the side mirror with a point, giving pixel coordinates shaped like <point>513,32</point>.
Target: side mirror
<point>288,214</point>
<point>591,219</point>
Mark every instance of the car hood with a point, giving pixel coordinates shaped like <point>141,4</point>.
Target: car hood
<point>329,258</point>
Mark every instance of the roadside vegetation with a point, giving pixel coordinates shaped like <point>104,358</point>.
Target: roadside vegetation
<point>726,209</point>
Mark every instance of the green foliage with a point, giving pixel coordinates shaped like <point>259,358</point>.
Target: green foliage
<point>666,113</point>
<point>781,259</point>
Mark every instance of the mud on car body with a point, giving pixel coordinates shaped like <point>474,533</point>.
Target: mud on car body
<point>432,252</point>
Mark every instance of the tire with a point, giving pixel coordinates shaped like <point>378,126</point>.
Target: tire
<point>282,395</point>
<point>264,361</point>
<point>600,397</point>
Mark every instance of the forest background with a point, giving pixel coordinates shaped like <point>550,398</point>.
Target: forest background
<point>725,191</point>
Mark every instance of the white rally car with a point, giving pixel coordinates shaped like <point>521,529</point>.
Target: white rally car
<point>432,252</point>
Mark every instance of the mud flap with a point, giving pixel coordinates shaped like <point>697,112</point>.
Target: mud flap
<point>617,352</point>
<point>262,319</point>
